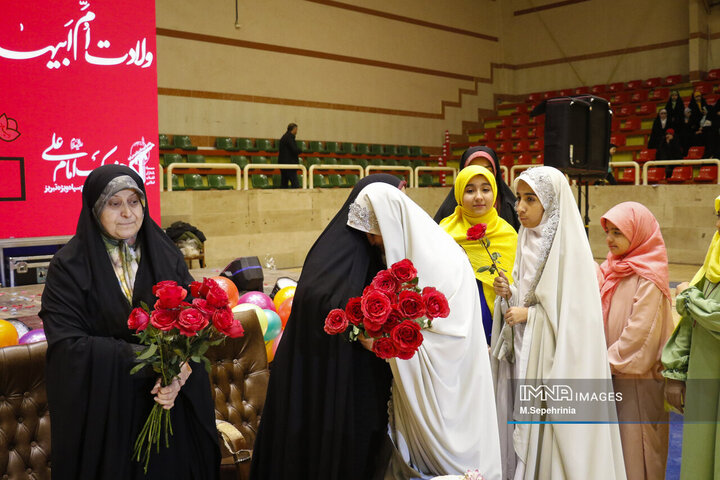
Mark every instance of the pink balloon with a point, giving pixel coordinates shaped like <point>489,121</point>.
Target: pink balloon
<point>276,342</point>
<point>259,299</point>
<point>33,336</point>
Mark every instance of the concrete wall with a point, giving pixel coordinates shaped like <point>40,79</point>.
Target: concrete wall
<point>283,224</point>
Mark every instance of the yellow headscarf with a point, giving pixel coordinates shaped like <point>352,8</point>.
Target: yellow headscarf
<point>711,266</point>
<point>502,236</point>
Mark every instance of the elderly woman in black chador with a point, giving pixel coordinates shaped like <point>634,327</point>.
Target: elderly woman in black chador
<point>97,408</point>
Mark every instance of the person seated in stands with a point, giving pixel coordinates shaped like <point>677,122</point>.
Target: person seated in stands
<point>669,149</point>
<point>685,134</point>
<point>660,125</point>
<point>675,109</point>
<point>701,122</point>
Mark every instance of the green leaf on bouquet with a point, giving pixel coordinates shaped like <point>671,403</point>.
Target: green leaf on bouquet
<point>414,281</point>
<point>495,255</point>
<point>178,352</point>
<point>203,348</point>
<point>206,362</point>
<point>196,358</point>
<point>138,367</point>
<point>487,243</point>
<point>484,268</point>
<point>355,330</point>
<point>217,341</point>
<point>148,352</point>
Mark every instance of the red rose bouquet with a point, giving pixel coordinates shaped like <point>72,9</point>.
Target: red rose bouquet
<point>392,310</point>
<point>174,332</point>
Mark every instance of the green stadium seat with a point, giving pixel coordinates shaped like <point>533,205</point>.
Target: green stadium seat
<point>303,146</point>
<point>194,158</point>
<point>404,163</point>
<point>246,145</point>
<point>176,183</point>
<point>263,145</point>
<point>334,180</point>
<point>276,180</point>
<point>261,159</point>
<point>390,150</point>
<point>239,160</point>
<point>319,181</point>
<point>329,161</point>
<point>402,150</point>
<point>164,143</point>
<point>311,161</point>
<point>348,148</point>
<point>183,142</point>
<point>169,158</point>
<point>362,149</point>
<point>333,147</point>
<point>259,181</point>
<point>194,181</point>
<point>416,151</point>
<point>360,161</point>
<point>425,180</point>
<point>316,147</point>
<point>218,182</point>
<point>390,162</point>
<point>418,163</point>
<point>376,161</point>
<point>226,143</point>
<point>377,150</point>
<point>350,180</point>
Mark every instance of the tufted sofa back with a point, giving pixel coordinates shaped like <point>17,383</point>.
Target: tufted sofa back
<point>24,414</point>
<point>239,381</point>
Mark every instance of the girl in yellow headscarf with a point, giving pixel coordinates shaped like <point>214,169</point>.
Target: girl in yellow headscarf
<point>476,193</point>
<point>692,365</point>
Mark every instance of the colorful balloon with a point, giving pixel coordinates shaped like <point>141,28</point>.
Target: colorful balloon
<point>259,299</point>
<point>282,295</point>
<point>262,318</point>
<point>8,334</point>
<point>276,342</point>
<point>269,350</point>
<point>284,311</point>
<point>230,288</point>
<point>21,328</point>
<point>274,325</point>
<point>33,336</point>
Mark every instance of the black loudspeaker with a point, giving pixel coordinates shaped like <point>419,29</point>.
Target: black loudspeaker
<point>577,134</point>
<point>246,273</point>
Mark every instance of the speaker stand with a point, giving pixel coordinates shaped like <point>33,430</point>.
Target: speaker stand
<point>586,220</point>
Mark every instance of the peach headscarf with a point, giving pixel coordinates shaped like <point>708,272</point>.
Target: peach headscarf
<point>646,255</point>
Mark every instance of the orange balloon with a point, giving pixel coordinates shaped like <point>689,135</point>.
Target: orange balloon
<point>230,288</point>
<point>8,334</point>
<point>269,350</point>
<point>284,310</point>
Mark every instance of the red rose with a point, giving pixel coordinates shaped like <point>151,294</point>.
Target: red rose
<point>393,319</point>
<point>217,297</point>
<point>406,337</point>
<point>190,321</point>
<point>476,232</point>
<point>169,296</point>
<point>336,321</point>
<point>138,319</point>
<point>404,270</point>
<point>436,305</point>
<point>353,309</point>
<point>405,354</point>
<point>384,347</point>
<point>411,304</point>
<point>202,305</point>
<point>374,330</point>
<point>198,289</point>
<point>164,283</point>
<point>225,323</point>
<point>385,282</point>
<point>375,306</point>
<point>163,319</point>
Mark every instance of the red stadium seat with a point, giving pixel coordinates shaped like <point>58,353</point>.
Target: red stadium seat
<point>672,80</point>
<point>653,82</point>
<point>646,155</point>
<point>695,153</point>
<point>524,159</point>
<point>646,109</point>
<point>537,145</point>
<point>618,139</point>
<point>520,120</point>
<point>508,160</point>
<point>532,132</point>
<point>507,122</point>
<point>490,134</point>
<point>617,87</point>
<point>705,88</point>
<point>639,96</point>
<point>505,147</point>
<point>620,98</point>
<point>566,92</point>
<point>538,159</point>
<point>549,94</point>
<point>712,98</point>
<point>631,124</point>
<point>535,98</point>
<point>503,134</point>
<point>521,108</point>
<point>656,175</point>
<point>681,174</point>
<point>659,94</point>
<point>625,111</point>
<point>634,84</point>
<point>626,175</point>
<point>615,124</point>
<point>520,133</point>
<point>598,89</point>
<point>521,146</point>
<point>708,173</point>
<point>582,90</point>
<point>713,74</point>
<point>492,145</point>
<point>537,120</point>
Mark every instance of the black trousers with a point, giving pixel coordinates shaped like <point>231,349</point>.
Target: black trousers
<point>289,179</point>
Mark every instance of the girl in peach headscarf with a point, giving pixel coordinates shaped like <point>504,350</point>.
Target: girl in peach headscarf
<point>637,311</point>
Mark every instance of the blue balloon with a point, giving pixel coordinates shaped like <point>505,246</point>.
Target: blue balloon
<point>274,325</point>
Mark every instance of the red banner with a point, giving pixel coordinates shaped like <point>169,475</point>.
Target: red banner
<point>79,90</point>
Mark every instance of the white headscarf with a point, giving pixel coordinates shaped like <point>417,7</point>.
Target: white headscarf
<point>443,418</point>
<point>564,336</point>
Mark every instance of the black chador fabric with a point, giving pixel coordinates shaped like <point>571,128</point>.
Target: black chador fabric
<point>325,415</point>
<point>657,134</point>
<point>505,198</point>
<point>97,408</point>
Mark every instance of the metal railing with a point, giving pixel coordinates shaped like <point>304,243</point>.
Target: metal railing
<point>271,167</point>
<point>635,165</point>
<point>434,169</point>
<point>411,182</point>
<point>678,162</point>
<point>201,166</point>
<point>311,182</point>
<point>516,168</point>
<point>505,173</point>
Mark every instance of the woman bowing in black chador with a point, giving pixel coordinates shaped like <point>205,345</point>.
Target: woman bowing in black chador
<point>325,416</point>
<point>97,408</point>
<point>505,203</point>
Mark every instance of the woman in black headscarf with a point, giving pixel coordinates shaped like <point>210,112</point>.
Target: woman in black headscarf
<point>505,203</point>
<point>675,109</point>
<point>325,415</point>
<point>97,408</point>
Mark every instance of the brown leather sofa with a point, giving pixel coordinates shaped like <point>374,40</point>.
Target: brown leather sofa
<point>239,381</point>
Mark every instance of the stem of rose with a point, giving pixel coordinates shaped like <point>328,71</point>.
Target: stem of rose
<point>497,269</point>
